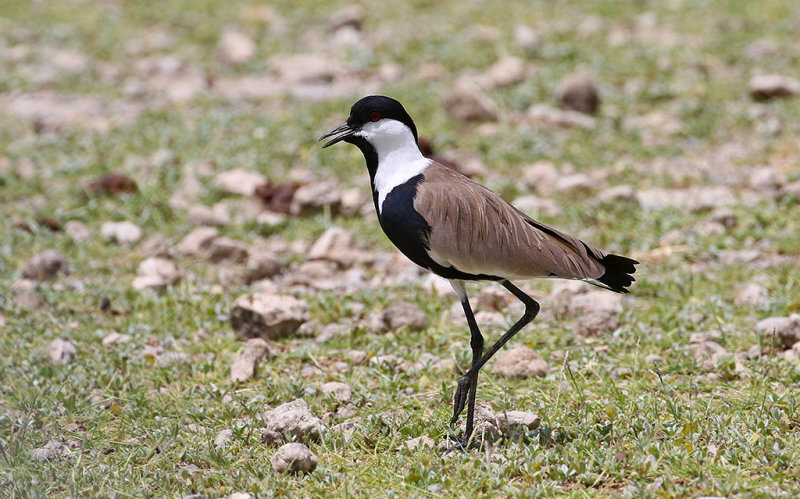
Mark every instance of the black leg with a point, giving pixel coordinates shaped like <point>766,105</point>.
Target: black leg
<point>467,386</point>
<point>531,309</point>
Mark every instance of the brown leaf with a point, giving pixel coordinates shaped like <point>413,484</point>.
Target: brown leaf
<point>113,184</point>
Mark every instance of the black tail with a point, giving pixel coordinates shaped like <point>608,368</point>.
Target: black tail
<point>618,273</point>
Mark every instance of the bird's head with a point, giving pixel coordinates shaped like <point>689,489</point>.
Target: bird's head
<point>379,120</point>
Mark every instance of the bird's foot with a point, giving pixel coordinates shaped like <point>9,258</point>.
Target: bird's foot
<point>457,444</point>
<point>460,398</point>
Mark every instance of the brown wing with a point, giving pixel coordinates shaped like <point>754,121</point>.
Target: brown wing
<point>476,231</point>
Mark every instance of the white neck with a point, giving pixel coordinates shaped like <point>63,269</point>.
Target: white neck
<point>399,157</point>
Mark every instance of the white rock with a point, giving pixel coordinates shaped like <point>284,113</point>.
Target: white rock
<point>535,205</point>
<point>774,85</point>
<point>708,353</point>
<point>562,118</point>
<point>467,102</point>
<point>624,192</point>
<point>226,249</point>
<point>60,351</point>
<point>525,37</point>
<point>335,244</point>
<point>517,420</point>
<point>246,363</point>
<point>508,70</point>
<point>78,231</point>
<point>115,338</point>
<point>122,232</point>
<point>216,215</point>
<point>405,314</point>
<point>597,322</point>
<point>235,48</point>
<point>240,495</point>
<point>157,273</point>
<point>294,458</point>
<point>520,362</point>
<point>263,265</point>
<point>223,438</point>
<point>240,181</point>
<point>340,391</point>
<point>423,442</point>
<point>268,316</point>
<point>315,198</point>
<point>197,242</point>
<point>786,328</point>
<point>485,423</point>
<point>292,418</point>
<point>350,15</point>
<point>51,450</point>
<point>575,182</point>
<point>306,69</point>
<point>46,265</point>
<point>540,176</point>
<point>752,294</point>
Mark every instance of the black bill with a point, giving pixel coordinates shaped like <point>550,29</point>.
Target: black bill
<point>345,130</point>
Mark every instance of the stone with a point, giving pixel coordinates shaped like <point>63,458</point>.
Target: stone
<point>624,192</point>
<point>540,176</point>
<point>45,266</point>
<point>114,338</point>
<point>752,294</point>
<point>535,205</point>
<point>767,180</point>
<point>51,450</point>
<point>305,69</point>
<point>312,199</point>
<point>507,71</point>
<point>235,48</point>
<point>216,216</point>
<point>725,217</point>
<point>267,316</point>
<point>197,242</point>
<point>292,419</point>
<point>30,300</point>
<point>153,245</point>
<point>708,353</point>
<point>405,314</point>
<point>157,273</point>
<point>574,182</point>
<point>525,37</point>
<point>562,118</point>
<point>574,298</point>
<point>240,181</point>
<point>60,351</point>
<point>246,363</point>
<point>223,438</point>
<point>226,249</point>
<point>577,92</point>
<point>692,199</point>
<point>335,244</point>
<point>240,495</point>
<point>121,232</point>
<point>520,362</point>
<point>787,329</point>
<point>466,101</point>
<point>770,86</point>
<point>340,391</point>
<point>517,420</point>
<point>485,423</point>
<point>294,458</point>
<point>597,322</point>
<point>78,231</point>
<point>263,265</point>
<point>350,15</point>
<point>419,443</point>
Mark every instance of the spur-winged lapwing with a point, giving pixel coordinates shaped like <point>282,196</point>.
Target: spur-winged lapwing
<point>462,231</point>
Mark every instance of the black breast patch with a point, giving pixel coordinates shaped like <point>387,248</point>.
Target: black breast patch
<point>409,231</point>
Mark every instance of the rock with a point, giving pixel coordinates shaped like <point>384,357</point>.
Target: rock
<point>315,198</point>
<point>294,458</point>
<point>562,118</point>
<point>246,363</point>
<point>769,86</point>
<point>507,71</point>
<point>226,249</point>
<point>340,391</point>
<point>122,232</point>
<point>465,101</point>
<point>114,338</point>
<point>575,182</point>
<point>292,419</point>
<point>520,362</point>
<point>357,357</point>
<point>597,322</point>
<point>336,245</point>
<point>235,48</point>
<point>704,336</point>
<point>350,15</point>
<point>419,443</point>
<point>51,450</point>
<point>708,353</point>
<point>197,242</point>
<point>653,358</point>
<point>692,199</point>
<point>535,205</point>
<point>157,273</point>
<point>154,245</point>
<point>767,180</point>
<point>624,192</point>
<point>305,69</point>
<point>239,181</point>
<point>223,438</point>
<point>577,93</point>
<point>30,301</point>
<point>517,420</point>
<point>573,298</point>
<point>267,316</point>
<point>725,217</point>
<point>752,294</point>
<point>540,176</point>
<point>46,265</point>
<point>78,231</point>
<point>200,214</point>
<point>240,495</point>
<point>60,351</point>
<point>262,265</point>
<point>402,313</point>
<point>485,423</point>
<point>525,37</point>
<point>786,328</point>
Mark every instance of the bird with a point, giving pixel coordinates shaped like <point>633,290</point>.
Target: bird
<point>462,231</point>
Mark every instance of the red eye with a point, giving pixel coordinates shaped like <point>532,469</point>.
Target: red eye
<point>374,116</point>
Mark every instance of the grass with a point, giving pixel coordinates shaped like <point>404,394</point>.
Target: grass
<point>613,424</point>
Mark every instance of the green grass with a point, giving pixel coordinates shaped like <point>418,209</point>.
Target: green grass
<point>647,430</point>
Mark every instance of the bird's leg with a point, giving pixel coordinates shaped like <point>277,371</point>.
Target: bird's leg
<point>531,309</point>
<point>468,384</point>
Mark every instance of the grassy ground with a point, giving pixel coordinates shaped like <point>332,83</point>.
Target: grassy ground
<point>612,423</point>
